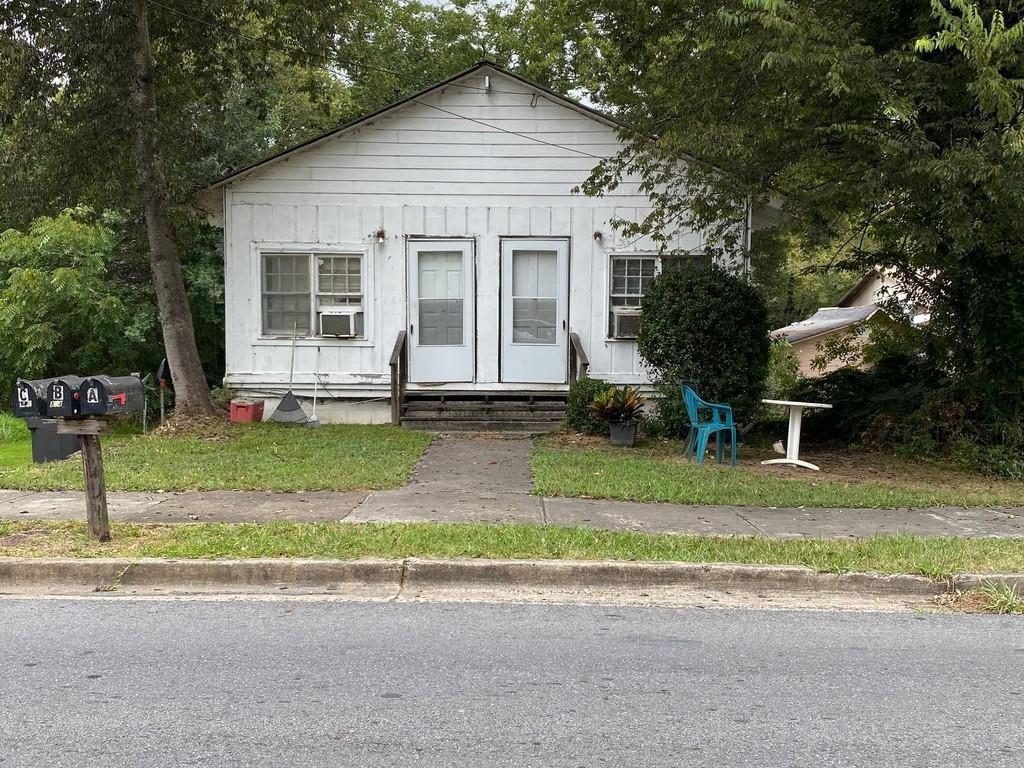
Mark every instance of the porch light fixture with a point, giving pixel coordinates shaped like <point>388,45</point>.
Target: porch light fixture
<point>380,235</point>
<point>598,237</point>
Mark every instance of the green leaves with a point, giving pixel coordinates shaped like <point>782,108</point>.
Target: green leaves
<point>708,327</point>
<point>73,301</point>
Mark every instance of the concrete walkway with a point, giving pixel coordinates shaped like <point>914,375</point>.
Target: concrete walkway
<point>487,479</point>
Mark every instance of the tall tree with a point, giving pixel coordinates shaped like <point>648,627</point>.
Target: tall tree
<point>191,392</point>
<point>82,80</point>
<point>891,129</point>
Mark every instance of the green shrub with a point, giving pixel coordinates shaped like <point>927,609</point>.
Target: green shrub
<point>895,403</point>
<point>996,460</point>
<point>671,418</point>
<point>705,325</point>
<point>783,371</point>
<point>578,413</point>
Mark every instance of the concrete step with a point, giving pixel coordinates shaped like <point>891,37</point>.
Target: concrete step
<point>481,425</point>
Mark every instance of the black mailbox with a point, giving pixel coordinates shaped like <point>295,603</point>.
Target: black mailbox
<point>62,397</point>
<point>29,398</point>
<point>110,395</point>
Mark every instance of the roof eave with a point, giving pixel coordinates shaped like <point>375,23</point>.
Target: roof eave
<point>234,176</point>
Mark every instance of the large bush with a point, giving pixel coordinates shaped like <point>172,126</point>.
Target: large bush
<point>709,327</point>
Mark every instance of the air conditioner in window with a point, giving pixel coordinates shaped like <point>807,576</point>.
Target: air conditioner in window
<point>625,322</point>
<point>339,322</point>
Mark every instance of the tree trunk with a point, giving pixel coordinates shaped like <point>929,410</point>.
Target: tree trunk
<point>192,395</point>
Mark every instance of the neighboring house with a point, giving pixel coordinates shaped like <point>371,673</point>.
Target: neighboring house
<point>850,321</point>
<point>829,324</point>
<point>443,232</point>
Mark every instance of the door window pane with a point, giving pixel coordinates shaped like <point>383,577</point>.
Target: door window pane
<point>534,321</point>
<point>534,292</point>
<point>535,273</point>
<point>441,300</point>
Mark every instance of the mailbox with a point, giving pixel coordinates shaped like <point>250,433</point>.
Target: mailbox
<point>62,397</point>
<point>110,395</point>
<point>28,399</point>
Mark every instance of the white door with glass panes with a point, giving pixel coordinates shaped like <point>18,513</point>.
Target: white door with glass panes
<point>441,333</point>
<point>534,311</point>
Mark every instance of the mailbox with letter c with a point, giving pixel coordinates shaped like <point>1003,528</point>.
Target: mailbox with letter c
<point>62,397</point>
<point>111,395</point>
<point>28,400</point>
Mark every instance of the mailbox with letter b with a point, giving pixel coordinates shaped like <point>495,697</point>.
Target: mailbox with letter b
<point>62,397</point>
<point>111,395</point>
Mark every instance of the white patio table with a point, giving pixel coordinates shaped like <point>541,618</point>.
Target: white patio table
<point>796,412</point>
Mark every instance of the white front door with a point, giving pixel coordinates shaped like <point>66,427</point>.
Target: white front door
<point>441,333</point>
<point>534,311</point>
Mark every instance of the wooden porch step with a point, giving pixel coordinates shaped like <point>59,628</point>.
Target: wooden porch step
<point>481,425</point>
<point>483,411</point>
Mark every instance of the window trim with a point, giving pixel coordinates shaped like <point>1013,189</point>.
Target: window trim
<point>608,290</point>
<point>314,251</point>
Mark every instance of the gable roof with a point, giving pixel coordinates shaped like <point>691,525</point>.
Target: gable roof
<point>826,320</point>
<point>866,280</point>
<point>480,66</point>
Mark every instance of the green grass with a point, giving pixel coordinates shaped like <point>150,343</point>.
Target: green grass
<point>936,557</point>
<point>232,457</point>
<point>600,472</point>
<point>1000,597</point>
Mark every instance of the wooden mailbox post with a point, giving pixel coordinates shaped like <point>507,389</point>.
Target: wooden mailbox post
<point>88,432</point>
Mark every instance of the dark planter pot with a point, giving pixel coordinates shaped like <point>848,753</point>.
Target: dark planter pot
<point>623,432</point>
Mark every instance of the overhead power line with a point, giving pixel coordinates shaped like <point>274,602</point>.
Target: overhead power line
<point>508,130</point>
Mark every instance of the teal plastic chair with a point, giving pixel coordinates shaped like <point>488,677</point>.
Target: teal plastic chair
<point>707,419</point>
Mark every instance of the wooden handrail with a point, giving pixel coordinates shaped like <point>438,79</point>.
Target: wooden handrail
<point>399,364</point>
<point>579,363</point>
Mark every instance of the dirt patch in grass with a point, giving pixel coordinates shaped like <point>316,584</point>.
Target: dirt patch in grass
<point>20,540</point>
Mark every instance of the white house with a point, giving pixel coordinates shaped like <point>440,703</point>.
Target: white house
<point>436,245</point>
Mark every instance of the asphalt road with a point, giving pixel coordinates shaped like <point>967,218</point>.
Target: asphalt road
<point>113,682</point>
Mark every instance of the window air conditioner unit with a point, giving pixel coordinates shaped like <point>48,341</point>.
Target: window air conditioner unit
<point>339,322</point>
<point>626,323</point>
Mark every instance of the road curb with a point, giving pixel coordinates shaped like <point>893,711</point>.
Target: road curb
<point>421,576</point>
<point>575,574</point>
<point>105,574</point>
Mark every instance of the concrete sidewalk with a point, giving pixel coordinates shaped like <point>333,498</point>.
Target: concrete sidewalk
<point>487,479</point>
<point>512,507</point>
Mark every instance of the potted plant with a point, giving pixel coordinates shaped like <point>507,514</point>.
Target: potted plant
<point>621,408</point>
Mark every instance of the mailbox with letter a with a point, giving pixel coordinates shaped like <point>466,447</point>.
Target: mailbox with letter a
<point>110,395</point>
<point>28,399</point>
<point>62,397</point>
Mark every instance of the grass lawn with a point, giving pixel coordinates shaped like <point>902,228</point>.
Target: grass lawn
<point>886,554</point>
<point>230,457</point>
<point>569,465</point>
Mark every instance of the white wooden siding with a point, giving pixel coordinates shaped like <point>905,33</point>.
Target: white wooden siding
<point>419,172</point>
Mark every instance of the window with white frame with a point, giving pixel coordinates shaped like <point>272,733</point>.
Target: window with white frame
<point>630,278</point>
<point>313,294</point>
